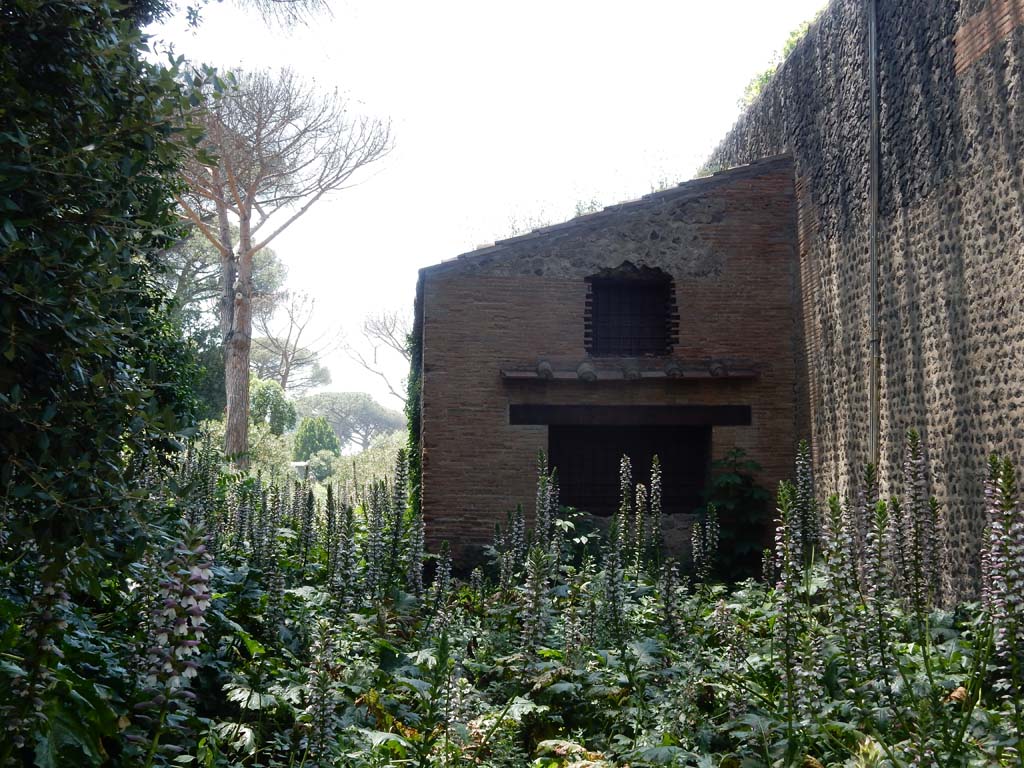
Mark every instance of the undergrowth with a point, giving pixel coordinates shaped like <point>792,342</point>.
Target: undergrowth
<point>267,628</point>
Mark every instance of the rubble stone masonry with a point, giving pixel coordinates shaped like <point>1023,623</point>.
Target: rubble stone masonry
<point>951,237</point>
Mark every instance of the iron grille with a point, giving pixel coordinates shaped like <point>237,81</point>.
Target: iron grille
<point>630,317</point>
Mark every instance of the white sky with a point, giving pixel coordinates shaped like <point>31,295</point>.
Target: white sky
<point>501,112</point>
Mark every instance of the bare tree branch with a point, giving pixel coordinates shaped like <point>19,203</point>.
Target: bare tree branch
<point>284,352</point>
<point>385,330</point>
<point>287,13</point>
<point>391,329</point>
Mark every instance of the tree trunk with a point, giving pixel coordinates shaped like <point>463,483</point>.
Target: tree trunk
<point>227,266</point>
<point>237,346</point>
<point>286,372</point>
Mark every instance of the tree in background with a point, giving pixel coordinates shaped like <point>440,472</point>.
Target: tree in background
<point>273,147</point>
<point>190,277</point>
<point>370,419</point>
<point>355,417</point>
<point>314,435</point>
<point>385,333</point>
<point>268,405</point>
<point>284,351</point>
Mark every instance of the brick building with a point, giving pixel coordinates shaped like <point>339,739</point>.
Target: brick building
<point>669,325</point>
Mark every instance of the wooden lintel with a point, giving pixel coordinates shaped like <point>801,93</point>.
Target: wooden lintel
<point>629,415</point>
<point>611,374</point>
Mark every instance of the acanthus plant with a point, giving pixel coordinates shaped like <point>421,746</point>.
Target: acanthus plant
<point>704,538</point>
<point>1003,597</point>
<point>34,679</point>
<point>179,600</point>
<point>557,648</point>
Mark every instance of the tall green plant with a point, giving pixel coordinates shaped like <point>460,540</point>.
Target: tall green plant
<point>742,511</point>
<point>94,382</point>
<point>94,379</point>
<point>268,405</point>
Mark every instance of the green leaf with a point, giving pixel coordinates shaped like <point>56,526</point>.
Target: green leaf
<point>68,741</point>
<point>247,698</point>
<point>563,687</point>
<point>382,738</point>
<point>662,755</point>
<point>522,707</point>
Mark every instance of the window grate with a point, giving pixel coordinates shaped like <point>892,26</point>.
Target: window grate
<point>631,316</point>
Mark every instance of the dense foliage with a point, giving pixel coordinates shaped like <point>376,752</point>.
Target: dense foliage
<point>94,382</point>
<point>268,405</point>
<point>742,508</point>
<point>271,628</point>
<point>314,435</point>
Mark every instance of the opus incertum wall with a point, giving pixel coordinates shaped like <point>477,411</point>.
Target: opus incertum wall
<point>951,234</point>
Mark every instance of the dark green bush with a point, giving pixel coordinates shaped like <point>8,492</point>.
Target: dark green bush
<point>94,384</point>
<point>314,435</point>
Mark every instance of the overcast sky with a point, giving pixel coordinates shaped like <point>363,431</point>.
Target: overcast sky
<point>503,113</point>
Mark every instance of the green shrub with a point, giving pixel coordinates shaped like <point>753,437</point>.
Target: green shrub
<point>314,435</point>
<point>269,405</point>
<point>321,465</point>
<point>742,508</point>
<point>95,382</point>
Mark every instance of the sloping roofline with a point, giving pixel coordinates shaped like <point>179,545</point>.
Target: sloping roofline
<point>691,188</point>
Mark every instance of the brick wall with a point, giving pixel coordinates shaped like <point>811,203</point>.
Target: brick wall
<point>729,243</point>
<point>951,237</point>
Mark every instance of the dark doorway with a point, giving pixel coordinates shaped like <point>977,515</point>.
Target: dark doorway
<point>587,459</point>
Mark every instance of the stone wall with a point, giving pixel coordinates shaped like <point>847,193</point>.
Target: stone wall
<point>951,237</point>
<point>728,242</point>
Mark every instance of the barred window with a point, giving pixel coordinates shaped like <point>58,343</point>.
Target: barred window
<point>630,312</point>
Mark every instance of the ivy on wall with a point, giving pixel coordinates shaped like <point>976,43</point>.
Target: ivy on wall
<point>413,403</point>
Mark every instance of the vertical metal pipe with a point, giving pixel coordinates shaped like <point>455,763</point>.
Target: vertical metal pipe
<point>874,375</point>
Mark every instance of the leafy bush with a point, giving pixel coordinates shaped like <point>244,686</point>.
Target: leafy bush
<point>314,435</point>
<point>95,384</point>
<point>321,465</point>
<point>268,405</point>
<point>741,506</point>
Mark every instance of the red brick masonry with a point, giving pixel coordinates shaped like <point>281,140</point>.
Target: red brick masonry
<point>986,28</point>
<point>728,241</point>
